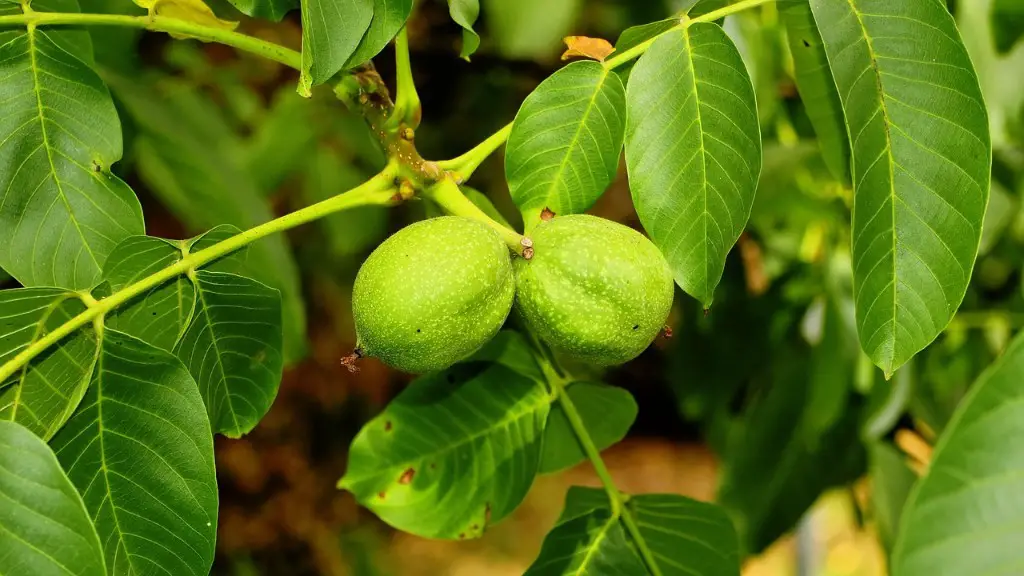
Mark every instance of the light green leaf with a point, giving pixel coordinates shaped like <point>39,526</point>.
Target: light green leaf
<point>693,149</point>
<point>817,89</point>
<point>47,531</point>
<point>702,7</point>
<point>233,349</point>
<point>590,545</point>
<point>964,516</point>
<point>455,451</point>
<point>140,452</point>
<point>47,390</point>
<point>636,35</point>
<point>194,163</point>
<point>465,13</point>
<point>607,413</point>
<point>331,31</point>
<point>388,18</point>
<point>921,157</point>
<point>61,210</point>
<point>686,536</point>
<point>530,29</point>
<point>891,483</point>
<point>269,9</point>
<point>564,147</point>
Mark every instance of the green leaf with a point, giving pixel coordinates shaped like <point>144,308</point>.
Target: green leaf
<point>702,7</point>
<point>891,483</point>
<point>46,527</point>
<point>693,149</point>
<point>194,163</point>
<point>686,536</point>
<point>636,35</point>
<point>348,232</point>
<point>388,18</point>
<point>564,147</point>
<point>607,413</point>
<point>465,13</point>
<point>140,452</point>
<point>530,29</point>
<point>921,157</point>
<point>1007,23</point>
<point>510,349</point>
<point>61,208</point>
<point>233,349</point>
<point>48,389</point>
<point>591,545</point>
<point>331,31</point>
<point>454,452</point>
<point>276,148</point>
<point>269,9</point>
<point>831,369</point>
<point>964,516</point>
<point>817,89</point>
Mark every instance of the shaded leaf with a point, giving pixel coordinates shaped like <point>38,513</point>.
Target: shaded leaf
<point>963,517</point>
<point>510,349</point>
<point>140,452</point>
<point>831,369</point>
<point>193,11</point>
<point>687,536</point>
<point>921,155</point>
<point>564,147</point>
<point>270,9</point>
<point>530,29</point>
<point>586,47</point>
<point>607,413</point>
<point>331,31</point>
<point>1007,23</point>
<point>593,544</point>
<point>347,232</point>
<point>61,210</point>
<point>891,482</point>
<point>455,451</point>
<point>388,18</point>
<point>817,89</point>
<point>47,530</point>
<point>693,150</point>
<point>45,392</point>
<point>233,349</point>
<point>465,13</point>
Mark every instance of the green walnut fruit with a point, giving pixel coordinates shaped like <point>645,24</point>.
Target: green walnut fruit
<point>595,290</point>
<point>432,294</point>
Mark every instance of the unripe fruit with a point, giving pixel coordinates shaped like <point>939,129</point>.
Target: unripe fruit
<point>432,294</point>
<point>595,290</point>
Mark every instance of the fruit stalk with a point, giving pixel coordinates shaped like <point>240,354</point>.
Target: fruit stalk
<point>447,195</point>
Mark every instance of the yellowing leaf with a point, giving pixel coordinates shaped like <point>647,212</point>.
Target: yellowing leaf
<point>586,47</point>
<point>195,11</point>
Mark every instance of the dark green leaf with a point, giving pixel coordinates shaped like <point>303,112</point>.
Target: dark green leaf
<point>964,516</point>
<point>331,31</point>
<point>348,232</point>
<point>693,149</point>
<point>817,89</point>
<point>233,349</point>
<point>891,482</point>
<point>61,208</point>
<point>46,528</point>
<point>1007,23</point>
<point>140,451</point>
<point>388,18</point>
<point>465,13</point>
<point>455,451</point>
<point>591,545</point>
<point>47,390</point>
<point>921,155</point>
<point>831,370</point>
<point>686,536</point>
<point>270,9</point>
<point>277,147</point>
<point>530,29</point>
<point>565,143</point>
<point>607,413</point>
<point>510,349</point>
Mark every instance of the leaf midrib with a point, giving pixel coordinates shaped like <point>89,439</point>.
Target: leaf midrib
<point>703,160</point>
<point>596,543</point>
<point>200,294</point>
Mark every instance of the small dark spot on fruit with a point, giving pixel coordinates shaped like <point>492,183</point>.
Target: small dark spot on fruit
<point>388,426</point>
<point>807,44</point>
<point>418,330</point>
<point>154,313</point>
<point>407,476</point>
<point>636,326</point>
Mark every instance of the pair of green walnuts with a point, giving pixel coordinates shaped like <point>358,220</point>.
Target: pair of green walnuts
<point>436,291</point>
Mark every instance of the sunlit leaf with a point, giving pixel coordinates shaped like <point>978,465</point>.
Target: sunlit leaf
<point>637,35</point>
<point>43,394</point>
<point>454,452</point>
<point>45,525</point>
<point>693,149</point>
<point>61,210</point>
<point>964,516</point>
<point>193,11</point>
<point>388,18</point>
<point>140,452</point>
<point>331,31</point>
<point>233,349</point>
<point>565,143</point>
<point>817,89</point>
<point>465,13</point>
<point>586,47</point>
<point>607,413</point>
<point>921,156</point>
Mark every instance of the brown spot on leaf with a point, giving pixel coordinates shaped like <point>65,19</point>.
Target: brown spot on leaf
<point>381,494</point>
<point>807,44</point>
<point>407,476</point>
<point>475,527</point>
<point>487,514</point>
<point>433,465</point>
<point>462,535</point>
<point>388,426</point>
<point>587,47</point>
<point>546,214</point>
<point>707,312</point>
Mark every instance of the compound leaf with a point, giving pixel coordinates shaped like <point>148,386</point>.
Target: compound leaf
<point>61,210</point>
<point>455,451</point>
<point>140,452</point>
<point>919,136</point>
<point>47,530</point>
<point>45,392</point>
<point>693,150</point>
<point>331,31</point>
<point>233,349</point>
<point>964,516</point>
<point>607,413</point>
<point>564,147</point>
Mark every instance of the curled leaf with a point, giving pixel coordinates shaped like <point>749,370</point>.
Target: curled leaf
<point>587,47</point>
<point>195,11</point>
